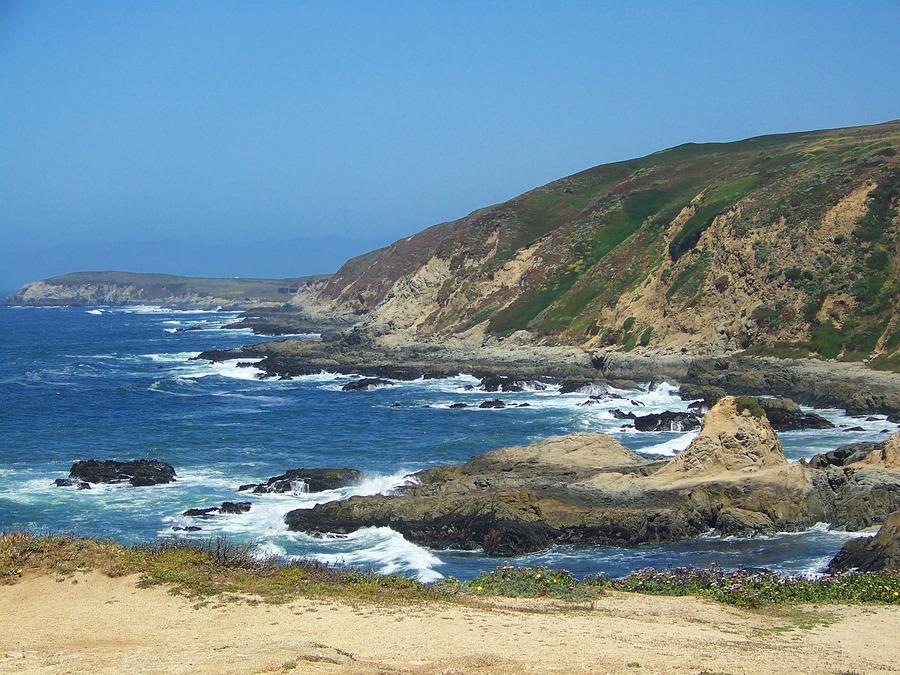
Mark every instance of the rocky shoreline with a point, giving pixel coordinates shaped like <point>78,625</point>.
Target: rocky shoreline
<point>588,489</point>
<point>851,386</point>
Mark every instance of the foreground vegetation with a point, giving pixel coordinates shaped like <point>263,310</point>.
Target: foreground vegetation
<point>216,568</point>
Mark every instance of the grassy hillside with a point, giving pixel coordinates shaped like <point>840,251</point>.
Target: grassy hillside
<point>780,244</point>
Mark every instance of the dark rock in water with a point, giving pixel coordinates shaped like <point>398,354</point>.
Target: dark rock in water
<point>742,523</point>
<point>189,528</point>
<point>846,454</point>
<point>306,480</point>
<point>524,405</point>
<point>574,386</point>
<point>637,404</point>
<point>507,384</point>
<point>587,387</point>
<point>224,509</point>
<point>853,429</point>
<point>496,536</point>
<point>496,403</point>
<point>708,394</point>
<point>871,554</point>
<point>871,419</point>
<point>138,472</point>
<point>785,415</point>
<point>68,482</point>
<point>590,402</point>
<point>667,421</point>
<point>396,405</point>
<point>894,417</point>
<point>597,399</point>
<point>699,407</point>
<point>459,405</point>
<point>188,329</point>
<point>235,507</point>
<point>619,415</point>
<point>366,383</point>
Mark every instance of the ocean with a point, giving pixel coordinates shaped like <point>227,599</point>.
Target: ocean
<point>120,383</point>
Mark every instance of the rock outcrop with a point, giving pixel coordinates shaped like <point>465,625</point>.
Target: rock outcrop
<point>871,554</point>
<point>366,383</point>
<point>137,472</point>
<point>306,480</point>
<point>226,508</point>
<point>730,441</point>
<point>852,453</point>
<point>667,421</point>
<point>588,488</point>
<point>785,415</point>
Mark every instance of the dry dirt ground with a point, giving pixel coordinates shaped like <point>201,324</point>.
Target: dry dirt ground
<point>91,623</point>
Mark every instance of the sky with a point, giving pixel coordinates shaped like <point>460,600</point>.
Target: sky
<point>276,139</point>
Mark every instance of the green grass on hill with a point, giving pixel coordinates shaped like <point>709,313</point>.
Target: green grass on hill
<point>714,202</point>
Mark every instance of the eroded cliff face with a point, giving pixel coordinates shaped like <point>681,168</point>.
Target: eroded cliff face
<point>783,242</point>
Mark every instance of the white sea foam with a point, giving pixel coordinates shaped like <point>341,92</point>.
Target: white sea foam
<point>672,446</point>
<point>184,365</point>
<point>322,376</point>
<point>387,552</point>
<point>157,309</point>
<point>229,368</point>
<point>379,548</point>
<point>95,312</point>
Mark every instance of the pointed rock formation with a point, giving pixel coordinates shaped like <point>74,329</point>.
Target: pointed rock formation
<point>732,439</point>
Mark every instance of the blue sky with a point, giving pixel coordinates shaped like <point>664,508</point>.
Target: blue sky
<point>126,126</point>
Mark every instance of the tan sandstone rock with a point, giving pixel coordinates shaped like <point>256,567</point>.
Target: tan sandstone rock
<point>729,441</point>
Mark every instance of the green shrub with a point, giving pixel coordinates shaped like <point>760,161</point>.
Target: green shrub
<point>691,278</point>
<point>531,582</point>
<point>629,341</point>
<point>793,273</point>
<point>645,336</point>
<point>629,322</point>
<point>749,403</point>
<point>827,341</point>
<point>748,588</point>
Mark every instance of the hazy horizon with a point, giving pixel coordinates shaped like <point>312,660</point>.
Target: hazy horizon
<point>257,259</point>
<point>241,134</point>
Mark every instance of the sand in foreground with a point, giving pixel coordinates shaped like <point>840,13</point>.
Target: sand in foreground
<point>97,624</point>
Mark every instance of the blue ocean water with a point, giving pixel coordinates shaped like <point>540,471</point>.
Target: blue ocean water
<point>119,383</point>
